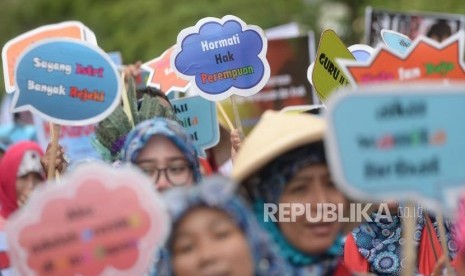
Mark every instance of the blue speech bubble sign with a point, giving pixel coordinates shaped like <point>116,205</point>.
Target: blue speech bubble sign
<point>67,82</point>
<point>399,143</point>
<point>396,41</point>
<point>198,117</point>
<point>221,57</point>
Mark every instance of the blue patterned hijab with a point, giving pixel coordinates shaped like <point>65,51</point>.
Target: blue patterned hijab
<point>219,193</point>
<point>380,242</point>
<point>268,185</point>
<point>141,134</point>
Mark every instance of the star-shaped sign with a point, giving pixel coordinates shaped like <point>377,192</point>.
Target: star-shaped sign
<point>162,76</point>
<point>426,59</point>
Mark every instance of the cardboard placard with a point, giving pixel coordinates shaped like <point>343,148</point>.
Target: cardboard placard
<point>399,142</point>
<point>326,75</point>
<point>198,117</point>
<point>13,49</point>
<point>425,59</point>
<point>101,221</point>
<point>67,82</point>
<point>162,76</point>
<point>222,57</point>
<point>396,41</point>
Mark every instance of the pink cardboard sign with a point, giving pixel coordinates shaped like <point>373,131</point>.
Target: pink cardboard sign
<point>98,221</point>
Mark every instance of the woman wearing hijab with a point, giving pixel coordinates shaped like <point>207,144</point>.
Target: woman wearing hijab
<point>282,161</point>
<point>164,151</point>
<point>20,173</point>
<point>214,233</point>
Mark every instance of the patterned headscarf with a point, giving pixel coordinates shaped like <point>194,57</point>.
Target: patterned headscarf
<point>380,241</point>
<point>141,134</point>
<point>268,185</point>
<point>218,192</point>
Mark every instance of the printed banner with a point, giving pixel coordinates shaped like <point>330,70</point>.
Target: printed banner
<point>13,49</point>
<point>82,227</point>
<point>399,143</point>
<point>222,57</point>
<point>198,117</point>
<point>66,82</point>
<point>437,26</point>
<point>288,85</point>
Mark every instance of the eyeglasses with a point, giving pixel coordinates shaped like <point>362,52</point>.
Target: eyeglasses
<point>176,174</point>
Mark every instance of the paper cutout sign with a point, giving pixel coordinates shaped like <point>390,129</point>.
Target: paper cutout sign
<point>15,47</point>
<point>326,75</point>
<point>396,41</point>
<point>398,143</point>
<point>198,117</point>
<point>425,59</point>
<point>67,82</point>
<point>222,57</point>
<point>101,221</point>
<point>361,52</point>
<point>162,75</point>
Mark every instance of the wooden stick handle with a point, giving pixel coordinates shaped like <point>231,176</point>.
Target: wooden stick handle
<point>225,116</point>
<point>54,136</point>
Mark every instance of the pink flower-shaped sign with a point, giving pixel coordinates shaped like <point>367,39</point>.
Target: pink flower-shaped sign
<point>99,221</point>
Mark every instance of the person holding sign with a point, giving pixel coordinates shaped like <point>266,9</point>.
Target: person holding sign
<point>214,233</point>
<point>280,165</point>
<point>163,150</point>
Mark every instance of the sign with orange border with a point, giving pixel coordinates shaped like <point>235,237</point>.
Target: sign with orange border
<point>425,59</point>
<point>16,46</point>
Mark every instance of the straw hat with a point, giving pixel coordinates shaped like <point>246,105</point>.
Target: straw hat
<point>275,134</point>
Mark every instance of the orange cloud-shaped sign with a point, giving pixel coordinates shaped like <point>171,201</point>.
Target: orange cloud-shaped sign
<point>100,222</point>
<point>426,59</point>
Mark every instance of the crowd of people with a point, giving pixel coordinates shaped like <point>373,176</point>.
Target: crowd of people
<point>218,218</point>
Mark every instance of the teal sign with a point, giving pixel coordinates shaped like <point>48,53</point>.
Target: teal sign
<point>399,143</point>
<point>198,117</point>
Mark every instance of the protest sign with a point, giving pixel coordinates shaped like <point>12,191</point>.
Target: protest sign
<point>396,41</point>
<point>162,76</point>
<point>399,142</point>
<point>66,82</point>
<point>326,75</point>
<point>361,52</point>
<point>198,117</point>
<point>15,47</point>
<point>222,57</point>
<point>100,221</point>
<point>425,59</point>
<point>75,140</point>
